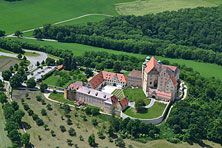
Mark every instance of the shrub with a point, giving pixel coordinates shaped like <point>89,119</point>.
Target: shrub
<point>46,127</point>
<point>43,102</point>
<point>39,122</point>
<point>43,112</point>
<point>91,140</point>
<point>69,142</point>
<point>69,121</point>
<point>81,138</point>
<point>72,132</point>
<point>63,129</point>
<point>30,112</point>
<point>38,98</point>
<point>26,106</point>
<point>94,122</point>
<point>35,117</point>
<point>52,133</point>
<point>49,107</point>
<point>100,134</point>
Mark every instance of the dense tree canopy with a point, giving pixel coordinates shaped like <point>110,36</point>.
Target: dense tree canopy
<point>188,33</point>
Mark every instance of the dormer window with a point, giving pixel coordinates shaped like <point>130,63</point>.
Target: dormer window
<point>89,92</point>
<point>104,96</point>
<point>96,93</point>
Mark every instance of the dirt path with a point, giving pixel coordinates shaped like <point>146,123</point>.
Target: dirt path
<point>64,21</point>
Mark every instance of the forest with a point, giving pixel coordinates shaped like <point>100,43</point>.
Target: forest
<point>187,33</point>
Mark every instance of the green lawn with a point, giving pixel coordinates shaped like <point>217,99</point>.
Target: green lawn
<point>155,111</point>
<point>134,94</point>
<point>60,98</point>
<point>141,7</point>
<point>6,51</point>
<point>119,93</point>
<point>4,140</point>
<point>205,69</point>
<point>52,80</point>
<point>28,14</point>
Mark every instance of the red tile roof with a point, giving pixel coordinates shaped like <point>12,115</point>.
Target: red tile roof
<point>161,94</point>
<point>135,73</point>
<point>76,85</point>
<point>174,81</point>
<point>123,102</point>
<point>151,64</point>
<point>173,68</point>
<point>99,78</point>
<point>59,67</point>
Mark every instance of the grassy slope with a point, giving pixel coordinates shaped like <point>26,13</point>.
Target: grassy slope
<point>205,69</point>
<point>134,94</point>
<point>140,7</point>
<point>155,111</point>
<point>28,14</point>
<point>4,140</point>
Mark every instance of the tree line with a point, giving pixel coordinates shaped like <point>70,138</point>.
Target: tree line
<point>188,33</point>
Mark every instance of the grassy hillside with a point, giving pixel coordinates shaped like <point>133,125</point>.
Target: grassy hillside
<point>28,14</point>
<point>205,69</point>
<point>141,7</point>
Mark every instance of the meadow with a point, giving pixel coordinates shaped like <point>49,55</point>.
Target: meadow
<point>142,7</point>
<point>27,14</point>
<point>205,69</point>
<point>84,128</point>
<point>134,94</point>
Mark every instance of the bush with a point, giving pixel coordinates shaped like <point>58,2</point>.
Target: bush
<point>100,134</point>
<point>26,107</point>
<point>38,98</point>
<point>94,122</point>
<point>39,122</point>
<point>72,132</point>
<point>30,112</point>
<point>173,140</point>
<point>43,112</point>
<point>69,121</point>
<point>81,138</point>
<point>35,117</point>
<point>49,107</point>
<point>43,102</point>
<point>63,129</point>
<point>52,133</point>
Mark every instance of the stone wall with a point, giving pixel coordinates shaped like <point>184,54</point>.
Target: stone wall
<point>157,120</point>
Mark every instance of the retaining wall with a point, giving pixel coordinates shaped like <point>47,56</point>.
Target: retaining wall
<point>157,120</point>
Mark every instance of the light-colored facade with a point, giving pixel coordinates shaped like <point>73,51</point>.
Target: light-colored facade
<point>159,81</point>
<point>95,97</point>
<point>107,78</point>
<point>135,78</point>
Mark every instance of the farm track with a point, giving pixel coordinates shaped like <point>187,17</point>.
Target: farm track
<point>64,21</point>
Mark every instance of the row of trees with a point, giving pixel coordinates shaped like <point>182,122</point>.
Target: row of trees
<point>13,116</point>
<point>11,45</point>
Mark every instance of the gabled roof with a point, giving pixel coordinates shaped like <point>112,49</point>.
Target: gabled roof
<point>59,67</point>
<point>151,64</point>
<point>104,75</point>
<point>135,73</point>
<point>174,81</point>
<point>173,68</point>
<point>123,102</point>
<point>97,80</point>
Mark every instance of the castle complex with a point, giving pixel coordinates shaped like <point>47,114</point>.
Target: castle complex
<point>157,80</point>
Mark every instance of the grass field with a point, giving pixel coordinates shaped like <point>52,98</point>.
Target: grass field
<point>31,54</point>
<point>4,140</point>
<point>60,98</point>
<point>205,69</point>
<point>142,7</point>
<point>153,112</point>
<point>28,14</point>
<point>134,94</point>
<point>6,51</point>
<point>6,62</point>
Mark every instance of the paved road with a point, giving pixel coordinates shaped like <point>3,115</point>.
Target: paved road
<point>33,60</point>
<point>132,104</point>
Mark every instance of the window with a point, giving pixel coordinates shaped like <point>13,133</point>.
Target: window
<point>150,83</point>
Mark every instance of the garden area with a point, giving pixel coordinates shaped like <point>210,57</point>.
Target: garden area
<point>134,94</point>
<point>119,93</point>
<point>60,97</point>
<point>63,78</point>
<point>153,112</point>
